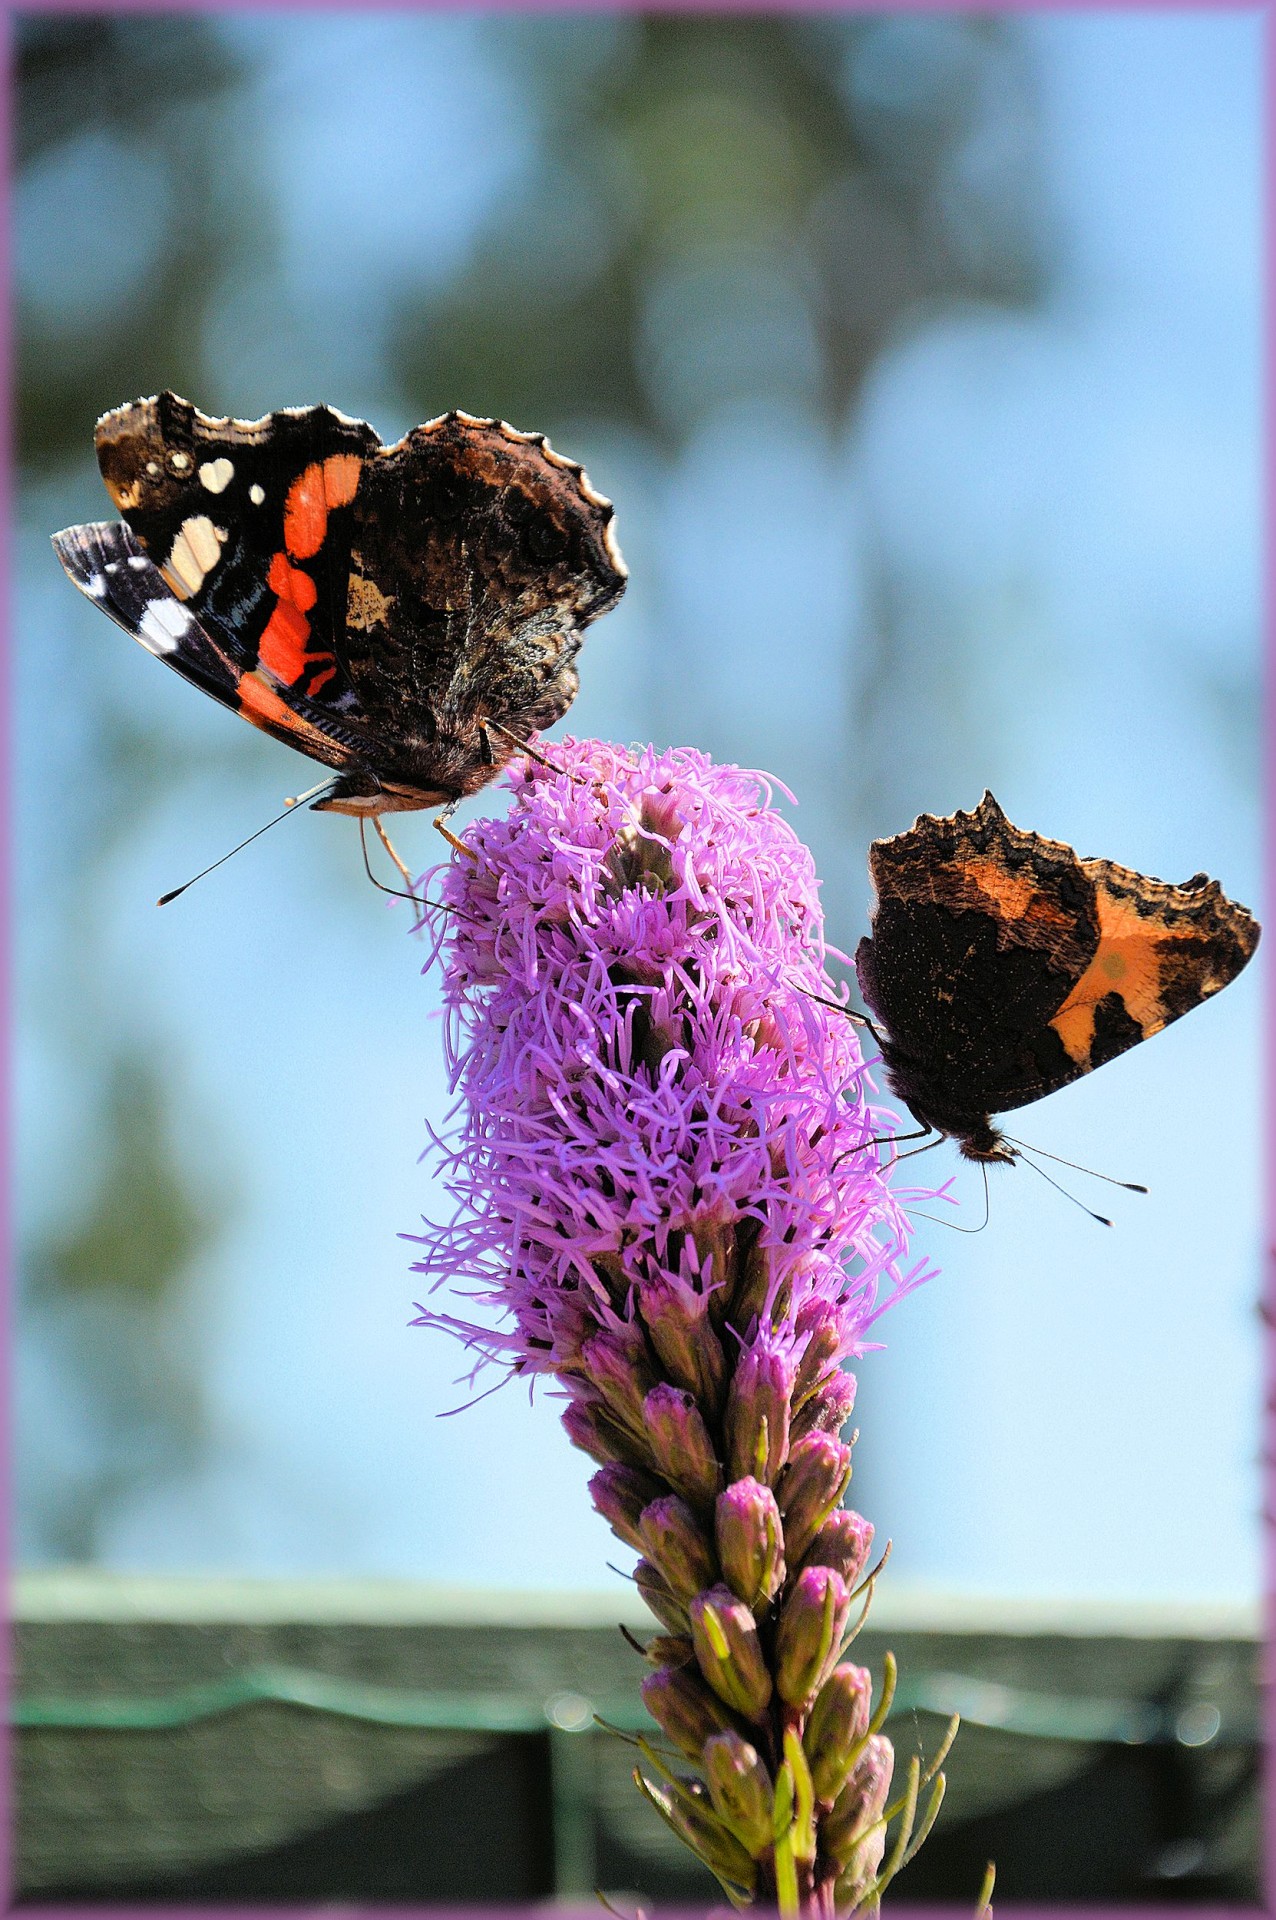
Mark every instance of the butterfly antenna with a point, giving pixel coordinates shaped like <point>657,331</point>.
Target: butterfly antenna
<point>1102,1218</point>
<point>952,1224</point>
<point>291,806</point>
<point>1131,1186</point>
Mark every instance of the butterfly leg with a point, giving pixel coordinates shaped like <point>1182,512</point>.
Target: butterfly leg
<point>913,1151</point>
<point>836,1006</point>
<point>885,1140</point>
<point>380,885</point>
<point>457,846</point>
<point>389,846</point>
<point>524,746</point>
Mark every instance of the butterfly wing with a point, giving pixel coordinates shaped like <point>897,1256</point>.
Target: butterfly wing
<point>106,562</point>
<point>1161,950</point>
<point>374,607</point>
<point>1003,967</point>
<point>508,553</point>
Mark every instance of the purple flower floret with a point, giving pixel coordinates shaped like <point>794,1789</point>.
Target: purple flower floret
<point>670,1195</point>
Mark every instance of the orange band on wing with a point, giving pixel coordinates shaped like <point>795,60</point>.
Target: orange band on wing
<point>282,647</point>
<point>291,583</point>
<point>311,495</point>
<point>286,636</point>
<point>341,478</point>
<point>259,703</point>
<point>306,514</point>
<point>1127,961</point>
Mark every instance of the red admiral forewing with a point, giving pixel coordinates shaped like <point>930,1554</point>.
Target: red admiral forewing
<point>397,613</point>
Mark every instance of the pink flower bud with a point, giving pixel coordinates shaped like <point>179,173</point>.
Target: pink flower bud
<point>817,1319</point>
<point>828,1409</point>
<point>750,1540</point>
<point>725,1637</point>
<point>837,1727</point>
<point>674,1542</point>
<point>571,1322</point>
<point>809,1637</point>
<point>620,1494</point>
<point>677,1320</point>
<point>680,1444</point>
<point>757,1422</point>
<point>817,1476</point>
<point>660,1597</point>
<point>590,1427</point>
<point>684,1709</point>
<point>617,1364</point>
<point>687,1808</point>
<point>741,1790</point>
<point>857,1807</point>
<point>843,1542</point>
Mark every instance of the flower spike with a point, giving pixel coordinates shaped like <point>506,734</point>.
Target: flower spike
<point>663,1202</point>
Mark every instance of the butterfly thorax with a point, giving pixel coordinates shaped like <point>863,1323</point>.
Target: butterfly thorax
<point>975,1136</point>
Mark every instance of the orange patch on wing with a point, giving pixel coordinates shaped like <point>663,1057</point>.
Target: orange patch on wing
<point>1126,961</point>
<point>306,514</point>
<point>291,584</point>
<point>260,704</point>
<point>1017,896</point>
<point>282,647</point>
<point>341,478</point>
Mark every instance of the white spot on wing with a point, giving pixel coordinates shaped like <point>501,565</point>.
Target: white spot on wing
<point>138,561</point>
<point>256,494</point>
<point>180,462</point>
<point>162,625</point>
<point>195,552</point>
<point>96,585</point>
<point>217,475</point>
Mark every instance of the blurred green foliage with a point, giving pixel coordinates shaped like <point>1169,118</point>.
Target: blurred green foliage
<point>153,85</point>
<point>123,1246</point>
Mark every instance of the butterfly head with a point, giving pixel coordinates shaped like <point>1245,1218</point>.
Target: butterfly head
<point>985,1143</point>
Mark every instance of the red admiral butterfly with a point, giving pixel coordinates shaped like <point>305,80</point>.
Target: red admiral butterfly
<point>1001,966</point>
<point>402,614</point>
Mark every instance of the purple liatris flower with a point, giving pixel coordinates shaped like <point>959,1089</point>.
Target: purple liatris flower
<point>670,1194</point>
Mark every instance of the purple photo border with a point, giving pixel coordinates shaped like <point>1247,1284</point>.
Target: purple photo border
<point>300,1910</point>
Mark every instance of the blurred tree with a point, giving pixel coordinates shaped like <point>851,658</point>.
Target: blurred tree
<point>120,233</point>
<point>708,161</point>
<point>104,1295</point>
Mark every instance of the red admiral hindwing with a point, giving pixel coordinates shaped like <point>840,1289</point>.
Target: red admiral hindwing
<point>385,610</point>
<point>1001,966</point>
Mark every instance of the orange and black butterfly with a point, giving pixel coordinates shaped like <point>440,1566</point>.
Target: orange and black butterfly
<point>400,614</point>
<point>1001,966</point>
